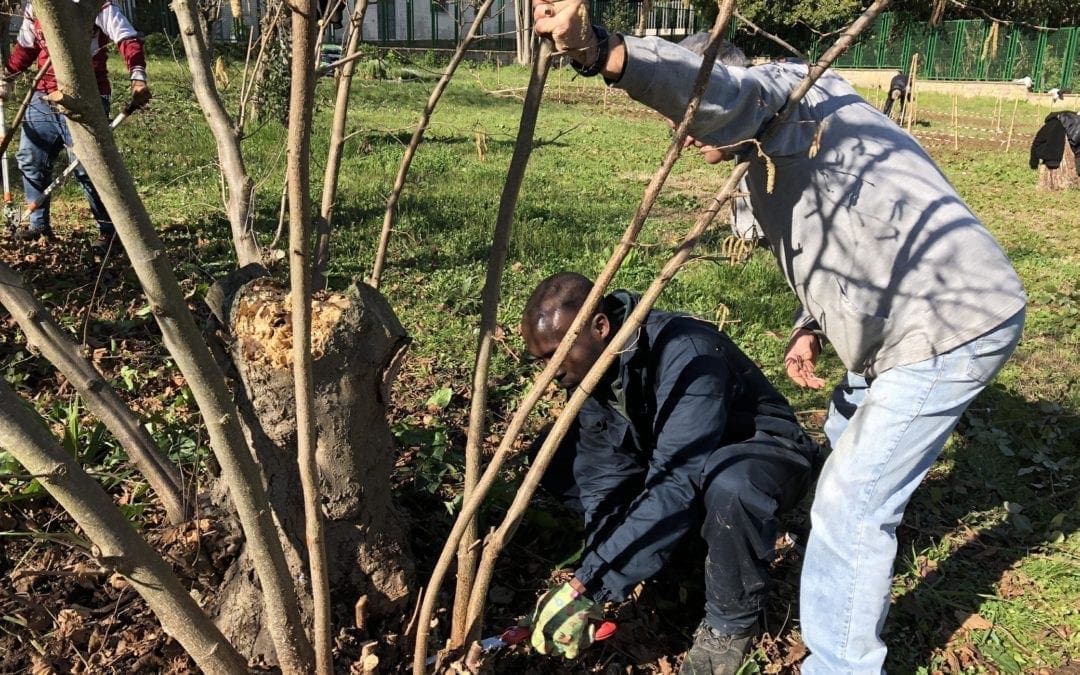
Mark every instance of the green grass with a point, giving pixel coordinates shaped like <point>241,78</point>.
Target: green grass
<point>962,550</point>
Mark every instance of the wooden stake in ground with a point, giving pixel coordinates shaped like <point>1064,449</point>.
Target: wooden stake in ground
<point>955,127</point>
<point>425,118</point>
<point>1012,125</point>
<point>909,93</point>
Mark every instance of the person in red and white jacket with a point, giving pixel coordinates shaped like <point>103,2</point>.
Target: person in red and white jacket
<point>45,131</point>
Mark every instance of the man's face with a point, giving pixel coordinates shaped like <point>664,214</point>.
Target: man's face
<point>543,339</point>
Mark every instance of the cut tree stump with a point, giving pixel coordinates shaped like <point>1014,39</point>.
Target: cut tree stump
<point>357,346</point>
<point>1061,178</point>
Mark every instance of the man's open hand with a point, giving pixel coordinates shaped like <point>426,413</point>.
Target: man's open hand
<point>801,359</point>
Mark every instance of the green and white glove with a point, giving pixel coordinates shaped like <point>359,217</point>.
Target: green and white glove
<point>564,622</point>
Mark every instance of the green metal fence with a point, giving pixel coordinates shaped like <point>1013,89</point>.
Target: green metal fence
<point>965,49</point>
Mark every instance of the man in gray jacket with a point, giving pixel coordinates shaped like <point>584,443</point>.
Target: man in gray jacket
<point>889,265</point>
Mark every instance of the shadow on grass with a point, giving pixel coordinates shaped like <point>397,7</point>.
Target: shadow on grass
<point>961,549</point>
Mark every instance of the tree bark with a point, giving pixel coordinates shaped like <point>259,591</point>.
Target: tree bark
<point>357,345</point>
<point>43,333</point>
<point>1063,177</point>
<point>116,544</point>
<point>523,35</point>
<point>63,24</point>
<point>468,554</point>
<point>241,188</point>
<point>298,178</point>
<point>418,135</point>
<point>337,145</point>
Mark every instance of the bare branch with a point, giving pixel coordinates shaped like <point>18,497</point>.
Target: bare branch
<point>240,203</point>
<point>757,30</point>
<point>42,332</point>
<point>298,178</point>
<point>337,142</point>
<point>116,544</point>
<point>63,23</point>
<point>418,135</point>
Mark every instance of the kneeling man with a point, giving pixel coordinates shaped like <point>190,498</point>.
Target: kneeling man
<point>683,432</point>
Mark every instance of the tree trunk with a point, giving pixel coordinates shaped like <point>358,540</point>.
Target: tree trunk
<point>1063,177</point>
<point>523,31</point>
<point>357,344</point>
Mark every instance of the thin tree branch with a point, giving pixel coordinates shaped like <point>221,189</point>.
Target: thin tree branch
<point>298,177</point>
<point>468,555</point>
<point>757,30</point>
<point>240,202</point>
<point>337,145</point>
<point>116,544</point>
<point>65,23</point>
<point>42,332</point>
<point>418,135</point>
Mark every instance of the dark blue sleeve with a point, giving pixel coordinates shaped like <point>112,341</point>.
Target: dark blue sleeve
<point>607,472</point>
<point>692,395</point>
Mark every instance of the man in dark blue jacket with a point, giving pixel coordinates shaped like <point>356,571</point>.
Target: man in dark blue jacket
<point>683,432</point>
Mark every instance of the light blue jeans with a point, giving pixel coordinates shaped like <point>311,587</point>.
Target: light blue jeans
<point>44,134</point>
<point>885,434</point>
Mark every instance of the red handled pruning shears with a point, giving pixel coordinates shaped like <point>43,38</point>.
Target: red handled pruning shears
<point>518,634</point>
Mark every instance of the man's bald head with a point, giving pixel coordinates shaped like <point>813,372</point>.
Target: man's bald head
<point>561,294</point>
<point>548,314</point>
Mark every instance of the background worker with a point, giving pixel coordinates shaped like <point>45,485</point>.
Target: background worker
<point>888,263</point>
<point>898,91</point>
<point>684,432</point>
<point>44,129</point>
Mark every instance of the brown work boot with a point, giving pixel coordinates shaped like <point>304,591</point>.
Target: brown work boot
<point>716,653</point>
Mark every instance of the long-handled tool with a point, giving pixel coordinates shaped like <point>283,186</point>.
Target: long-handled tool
<point>70,168</point>
<point>11,214</point>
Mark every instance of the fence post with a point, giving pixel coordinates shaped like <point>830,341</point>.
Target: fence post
<point>957,47</point>
<point>409,22</point>
<point>931,52</point>
<point>983,66</point>
<point>1072,45</point>
<point>1010,58</point>
<point>884,35</point>
<point>1040,62</point>
<point>500,24</point>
